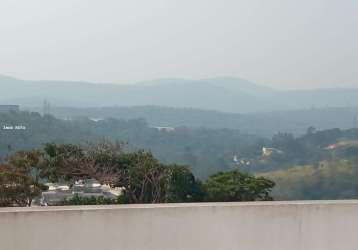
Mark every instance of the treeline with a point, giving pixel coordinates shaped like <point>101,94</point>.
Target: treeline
<point>264,124</point>
<point>142,177</point>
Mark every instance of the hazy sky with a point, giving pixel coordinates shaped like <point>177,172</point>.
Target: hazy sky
<point>280,43</point>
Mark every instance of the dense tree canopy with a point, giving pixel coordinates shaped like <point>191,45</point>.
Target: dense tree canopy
<point>237,186</point>
<point>143,178</point>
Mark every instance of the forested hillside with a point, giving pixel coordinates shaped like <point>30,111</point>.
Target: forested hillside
<point>206,150</point>
<point>320,164</point>
<point>261,124</point>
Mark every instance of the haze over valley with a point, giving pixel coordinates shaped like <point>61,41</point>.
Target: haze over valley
<point>233,95</point>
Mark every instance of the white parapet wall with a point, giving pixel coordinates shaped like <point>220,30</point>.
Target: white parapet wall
<point>321,225</point>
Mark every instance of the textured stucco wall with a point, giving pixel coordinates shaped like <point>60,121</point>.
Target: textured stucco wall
<point>324,225</point>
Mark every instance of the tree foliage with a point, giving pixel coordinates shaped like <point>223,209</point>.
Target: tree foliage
<point>72,162</point>
<point>237,186</point>
<point>142,177</point>
<point>78,200</point>
<point>16,189</point>
<point>182,186</point>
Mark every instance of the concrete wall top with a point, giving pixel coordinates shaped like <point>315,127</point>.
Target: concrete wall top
<point>182,205</point>
<point>296,225</point>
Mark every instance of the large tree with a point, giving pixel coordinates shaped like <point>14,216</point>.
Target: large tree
<point>182,186</point>
<point>143,177</point>
<point>16,188</point>
<point>235,185</point>
<point>72,162</point>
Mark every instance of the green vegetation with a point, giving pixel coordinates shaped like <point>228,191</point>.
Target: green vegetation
<point>205,150</point>
<point>287,158</point>
<point>325,180</point>
<point>264,124</point>
<point>237,186</point>
<point>142,177</point>
<point>77,201</point>
<point>16,188</point>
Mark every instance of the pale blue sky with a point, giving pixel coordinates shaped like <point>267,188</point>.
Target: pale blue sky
<point>279,43</point>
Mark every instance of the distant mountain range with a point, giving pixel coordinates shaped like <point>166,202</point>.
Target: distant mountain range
<point>222,94</point>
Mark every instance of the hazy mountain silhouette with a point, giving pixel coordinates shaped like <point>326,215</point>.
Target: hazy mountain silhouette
<point>223,94</point>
